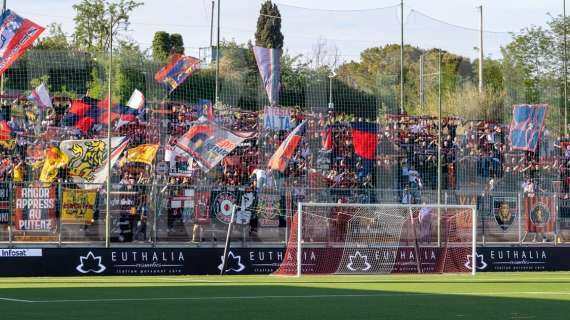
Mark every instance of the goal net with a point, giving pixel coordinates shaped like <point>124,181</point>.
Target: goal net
<point>334,238</point>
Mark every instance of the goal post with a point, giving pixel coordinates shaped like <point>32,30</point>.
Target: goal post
<point>340,238</point>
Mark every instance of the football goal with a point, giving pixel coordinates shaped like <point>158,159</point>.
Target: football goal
<point>338,238</point>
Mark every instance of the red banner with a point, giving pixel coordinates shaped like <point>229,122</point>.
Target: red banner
<point>35,208</point>
<point>540,213</point>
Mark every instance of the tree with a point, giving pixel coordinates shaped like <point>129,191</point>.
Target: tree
<point>161,46</point>
<point>93,20</point>
<point>55,39</point>
<point>165,44</point>
<point>268,33</point>
<point>176,43</point>
<point>492,74</point>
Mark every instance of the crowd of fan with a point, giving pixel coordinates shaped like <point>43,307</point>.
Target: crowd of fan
<point>407,143</point>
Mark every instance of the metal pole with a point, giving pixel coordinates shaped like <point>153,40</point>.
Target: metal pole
<point>109,146</point>
<point>481,51</point>
<point>565,75</point>
<point>2,76</point>
<point>212,26</point>
<point>422,80</point>
<point>218,57</point>
<point>402,57</point>
<point>299,238</point>
<point>439,160</point>
<point>331,105</point>
<point>474,243</point>
<point>227,244</point>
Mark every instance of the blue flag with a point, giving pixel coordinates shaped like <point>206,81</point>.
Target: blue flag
<point>527,126</point>
<point>269,65</point>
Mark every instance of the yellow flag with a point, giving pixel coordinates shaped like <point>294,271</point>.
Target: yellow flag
<point>18,173</point>
<point>144,153</point>
<point>55,159</point>
<point>8,144</point>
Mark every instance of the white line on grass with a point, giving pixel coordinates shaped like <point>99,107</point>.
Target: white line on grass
<point>16,300</point>
<point>316,296</point>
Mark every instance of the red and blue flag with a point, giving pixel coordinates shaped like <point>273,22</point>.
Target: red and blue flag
<point>527,126</point>
<point>365,139</point>
<point>287,148</point>
<point>16,35</point>
<point>176,71</point>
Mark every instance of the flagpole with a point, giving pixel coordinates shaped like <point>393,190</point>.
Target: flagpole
<point>402,110</point>
<point>564,62</point>
<point>481,50</point>
<point>2,76</point>
<point>218,57</point>
<point>212,26</point>
<point>109,146</point>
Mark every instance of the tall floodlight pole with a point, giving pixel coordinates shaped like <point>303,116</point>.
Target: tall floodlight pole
<point>212,25</point>
<point>402,56</point>
<point>218,57</point>
<point>439,155</point>
<point>565,65</point>
<point>481,49</point>
<point>109,146</point>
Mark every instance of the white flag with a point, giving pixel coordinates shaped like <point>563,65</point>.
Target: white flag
<point>136,101</point>
<point>40,96</point>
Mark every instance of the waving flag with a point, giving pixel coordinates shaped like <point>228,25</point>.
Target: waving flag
<point>527,126</point>
<point>145,153</point>
<point>54,160</point>
<point>88,159</point>
<point>136,101</point>
<point>133,109</point>
<point>326,138</point>
<point>40,96</point>
<point>285,151</point>
<point>16,34</point>
<point>82,114</point>
<point>365,139</point>
<point>269,65</point>
<point>208,143</point>
<point>176,71</point>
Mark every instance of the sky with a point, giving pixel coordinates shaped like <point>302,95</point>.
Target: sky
<point>346,27</point>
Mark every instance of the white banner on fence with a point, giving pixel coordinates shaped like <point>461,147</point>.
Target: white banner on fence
<point>277,118</point>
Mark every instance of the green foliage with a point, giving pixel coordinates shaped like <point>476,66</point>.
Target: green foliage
<point>97,86</point>
<point>129,66</point>
<point>37,81</point>
<point>161,46</point>
<point>176,43</point>
<point>164,44</point>
<point>55,39</point>
<point>97,20</point>
<point>268,33</point>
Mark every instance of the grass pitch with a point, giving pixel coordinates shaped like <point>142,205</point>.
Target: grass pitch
<point>485,296</point>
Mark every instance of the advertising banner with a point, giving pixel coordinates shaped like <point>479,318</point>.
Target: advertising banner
<point>203,261</point>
